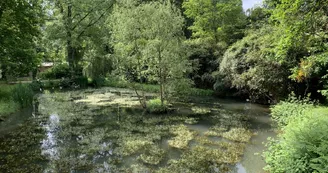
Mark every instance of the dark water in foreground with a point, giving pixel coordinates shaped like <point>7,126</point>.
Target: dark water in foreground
<point>105,131</point>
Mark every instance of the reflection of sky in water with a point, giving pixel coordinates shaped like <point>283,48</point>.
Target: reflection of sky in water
<point>49,144</point>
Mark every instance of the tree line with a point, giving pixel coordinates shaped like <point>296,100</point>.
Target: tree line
<point>262,54</point>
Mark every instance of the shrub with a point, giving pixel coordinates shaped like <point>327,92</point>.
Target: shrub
<point>5,92</point>
<point>302,147</point>
<point>80,81</point>
<point>98,82</point>
<point>36,86</point>
<point>286,111</point>
<point>155,106</point>
<point>57,72</point>
<point>23,95</point>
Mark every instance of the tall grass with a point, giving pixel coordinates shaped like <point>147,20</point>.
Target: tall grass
<point>23,95</point>
<point>14,97</point>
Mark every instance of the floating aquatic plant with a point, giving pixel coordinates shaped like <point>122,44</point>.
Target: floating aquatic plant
<point>201,110</point>
<point>182,138</point>
<point>238,134</point>
<point>132,145</point>
<point>215,131</point>
<point>153,155</point>
<point>191,121</point>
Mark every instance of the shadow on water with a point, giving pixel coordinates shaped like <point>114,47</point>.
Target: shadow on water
<point>105,131</point>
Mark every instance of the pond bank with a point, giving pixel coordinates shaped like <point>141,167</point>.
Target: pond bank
<point>104,130</point>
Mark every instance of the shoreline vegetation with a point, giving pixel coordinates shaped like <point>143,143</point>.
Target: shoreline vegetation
<point>14,97</point>
<point>162,53</point>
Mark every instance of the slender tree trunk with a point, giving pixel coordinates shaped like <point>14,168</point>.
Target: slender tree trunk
<point>307,87</point>
<point>70,49</point>
<point>161,76</point>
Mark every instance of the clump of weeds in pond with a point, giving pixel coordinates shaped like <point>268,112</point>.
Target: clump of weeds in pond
<point>238,134</point>
<point>191,120</point>
<point>215,131</point>
<point>182,138</point>
<point>153,155</point>
<point>131,145</point>
<point>198,159</point>
<point>201,110</point>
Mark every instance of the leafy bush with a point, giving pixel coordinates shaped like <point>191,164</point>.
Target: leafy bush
<point>286,111</point>
<point>36,86</point>
<point>155,106</point>
<point>98,82</point>
<point>23,95</point>
<point>81,82</point>
<point>57,72</point>
<point>302,147</point>
<point>77,82</point>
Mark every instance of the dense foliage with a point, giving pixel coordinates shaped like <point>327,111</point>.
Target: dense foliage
<point>302,147</point>
<point>20,23</point>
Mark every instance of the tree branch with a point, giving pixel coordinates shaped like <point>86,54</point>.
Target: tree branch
<point>94,22</point>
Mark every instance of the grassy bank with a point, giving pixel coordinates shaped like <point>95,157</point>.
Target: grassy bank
<point>302,144</point>
<point>14,97</point>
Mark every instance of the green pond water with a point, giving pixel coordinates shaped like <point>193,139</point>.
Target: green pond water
<point>105,130</point>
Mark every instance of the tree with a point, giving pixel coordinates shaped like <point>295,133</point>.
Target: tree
<point>216,25</point>
<point>75,23</point>
<point>250,66</point>
<point>149,41</point>
<point>20,24</point>
<point>303,42</point>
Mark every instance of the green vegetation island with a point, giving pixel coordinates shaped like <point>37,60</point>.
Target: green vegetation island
<point>163,86</point>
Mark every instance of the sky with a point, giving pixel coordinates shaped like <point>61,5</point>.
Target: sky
<point>250,3</point>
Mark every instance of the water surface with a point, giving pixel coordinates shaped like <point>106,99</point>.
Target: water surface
<point>105,130</point>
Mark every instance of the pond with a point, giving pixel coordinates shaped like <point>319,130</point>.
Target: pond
<point>105,130</point>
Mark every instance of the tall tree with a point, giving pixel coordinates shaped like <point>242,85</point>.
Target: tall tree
<point>303,43</point>
<point>149,39</point>
<point>20,24</point>
<point>74,22</point>
<point>216,25</point>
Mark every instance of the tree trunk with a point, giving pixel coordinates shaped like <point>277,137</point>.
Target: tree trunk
<point>70,49</point>
<point>161,76</point>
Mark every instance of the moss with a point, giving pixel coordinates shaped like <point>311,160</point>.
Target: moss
<point>182,138</point>
<point>238,134</point>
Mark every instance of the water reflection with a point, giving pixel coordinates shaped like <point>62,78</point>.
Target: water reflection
<point>49,144</point>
